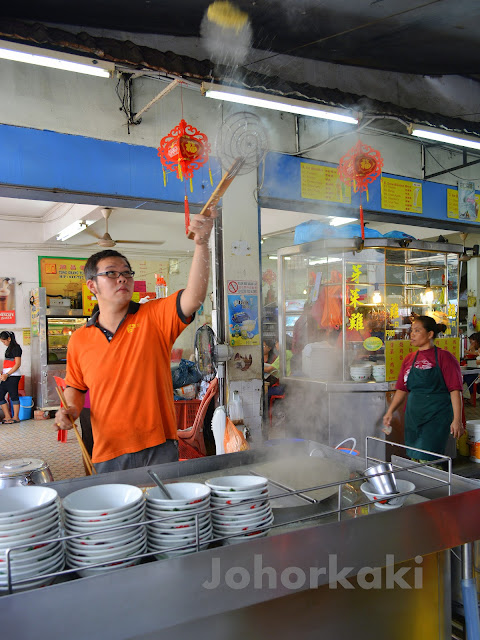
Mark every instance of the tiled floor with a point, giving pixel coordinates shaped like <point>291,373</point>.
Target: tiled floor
<point>38,439</point>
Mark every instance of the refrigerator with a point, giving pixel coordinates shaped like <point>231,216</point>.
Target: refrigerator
<point>51,330</point>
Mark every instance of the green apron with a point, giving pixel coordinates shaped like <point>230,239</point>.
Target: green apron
<point>429,411</point>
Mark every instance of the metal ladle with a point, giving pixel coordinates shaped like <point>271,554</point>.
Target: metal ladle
<point>159,483</point>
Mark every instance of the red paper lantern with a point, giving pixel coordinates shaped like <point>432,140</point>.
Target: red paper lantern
<point>184,150</point>
<point>358,167</point>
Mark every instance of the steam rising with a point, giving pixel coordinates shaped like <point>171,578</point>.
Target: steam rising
<point>224,43</point>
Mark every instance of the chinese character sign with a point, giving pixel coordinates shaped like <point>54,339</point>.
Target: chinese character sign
<point>355,319</point>
<point>7,300</point>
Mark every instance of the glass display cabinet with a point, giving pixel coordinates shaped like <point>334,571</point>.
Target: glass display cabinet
<point>59,332</point>
<point>354,303</point>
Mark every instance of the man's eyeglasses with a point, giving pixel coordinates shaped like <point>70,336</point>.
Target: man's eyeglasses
<point>116,274</point>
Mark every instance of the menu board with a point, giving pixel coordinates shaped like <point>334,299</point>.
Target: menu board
<point>397,350</point>
<point>452,205</point>
<point>401,195</point>
<point>322,183</point>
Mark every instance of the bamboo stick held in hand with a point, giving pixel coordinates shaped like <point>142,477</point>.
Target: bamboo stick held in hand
<point>219,191</point>
<point>88,461</point>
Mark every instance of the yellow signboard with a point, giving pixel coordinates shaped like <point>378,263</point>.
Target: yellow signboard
<point>322,183</point>
<point>62,276</point>
<point>397,350</point>
<point>452,204</point>
<point>402,195</point>
<point>449,344</point>
<point>88,300</point>
<point>26,337</point>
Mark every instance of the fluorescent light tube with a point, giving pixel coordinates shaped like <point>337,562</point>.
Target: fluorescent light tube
<point>338,221</point>
<point>55,59</point>
<point>74,228</point>
<point>441,135</point>
<point>278,103</point>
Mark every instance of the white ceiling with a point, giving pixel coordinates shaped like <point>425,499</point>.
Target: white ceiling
<point>163,231</point>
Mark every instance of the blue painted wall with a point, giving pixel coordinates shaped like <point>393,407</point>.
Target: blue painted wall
<point>282,181</point>
<point>50,160</point>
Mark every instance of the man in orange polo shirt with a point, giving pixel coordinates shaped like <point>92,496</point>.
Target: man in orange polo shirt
<point>123,356</point>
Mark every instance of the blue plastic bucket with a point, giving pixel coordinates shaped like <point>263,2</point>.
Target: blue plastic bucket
<point>26,406</point>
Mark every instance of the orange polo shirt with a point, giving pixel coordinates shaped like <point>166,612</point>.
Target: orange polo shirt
<point>131,391</point>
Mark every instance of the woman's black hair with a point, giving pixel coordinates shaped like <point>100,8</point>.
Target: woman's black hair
<point>270,342</point>
<point>429,324</point>
<point>5,335</point>
<point>476,337</point>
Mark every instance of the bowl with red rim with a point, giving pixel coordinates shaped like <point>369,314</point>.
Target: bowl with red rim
<point>389,500</point>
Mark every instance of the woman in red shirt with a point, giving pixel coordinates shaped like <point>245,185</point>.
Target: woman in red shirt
<point>10,376</point>
<point>433,381</point>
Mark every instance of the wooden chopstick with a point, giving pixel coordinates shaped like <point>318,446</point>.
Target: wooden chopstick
<point>219,191</point>
<point>85,454</point>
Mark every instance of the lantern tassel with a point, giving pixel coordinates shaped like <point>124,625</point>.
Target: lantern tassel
<point>164,177</point>
<point>180,174</point>
<point>187,214</point>
<point>210,173</point>
<point>191,186</point>
<point>361,222</point>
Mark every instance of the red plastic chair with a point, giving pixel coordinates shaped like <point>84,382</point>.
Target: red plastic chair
<point>61,433</point>
<point>270,402</point>
<point>193,436</point>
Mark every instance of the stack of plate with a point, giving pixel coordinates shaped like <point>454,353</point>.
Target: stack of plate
<point>234,514</point>
<point>94,515</point>
<point>30,514</point>
<point>172,529</point>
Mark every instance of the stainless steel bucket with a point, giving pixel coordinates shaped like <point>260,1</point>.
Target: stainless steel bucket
<point>384,483</point>
<point>24,471</point>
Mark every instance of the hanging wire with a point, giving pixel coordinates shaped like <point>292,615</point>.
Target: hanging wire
<point>445,169</point>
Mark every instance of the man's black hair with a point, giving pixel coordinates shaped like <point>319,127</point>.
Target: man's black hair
<point>92,263</point>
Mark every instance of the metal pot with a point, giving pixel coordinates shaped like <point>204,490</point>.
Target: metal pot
<point>24,471</point>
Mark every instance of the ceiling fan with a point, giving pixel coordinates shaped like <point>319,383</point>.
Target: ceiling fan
<point>106,241</point>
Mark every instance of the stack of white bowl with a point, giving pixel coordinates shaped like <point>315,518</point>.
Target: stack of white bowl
<point>172,523</point>
<point>31,515</point>
<point>361,372</point>
<point>241,507</point>
<point>94,515</point>
<point>379,372</point>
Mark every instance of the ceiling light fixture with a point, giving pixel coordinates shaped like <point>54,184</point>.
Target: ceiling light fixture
<point>278,103</point>
<point>338,221</point>
<point>442,135</point>
<point>377,296</point>
<point>74,228</point>
<point>55,59</point>
<point>429,294</point>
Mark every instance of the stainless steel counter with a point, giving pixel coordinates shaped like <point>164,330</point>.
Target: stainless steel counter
<point>329,412</point>
<point>261,590</point>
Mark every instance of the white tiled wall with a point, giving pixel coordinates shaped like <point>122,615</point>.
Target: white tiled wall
<point>250,392</point>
